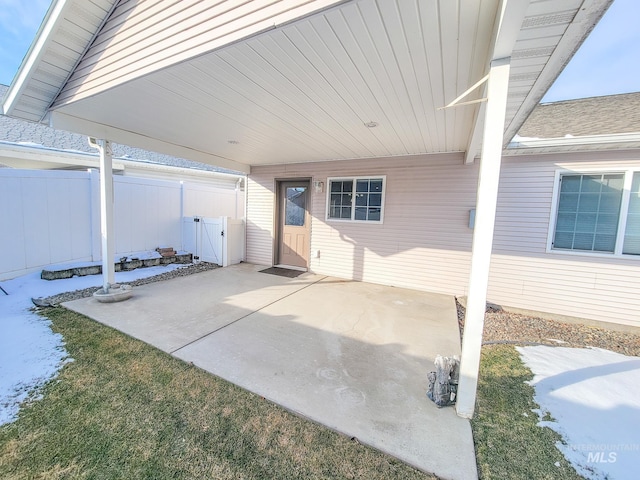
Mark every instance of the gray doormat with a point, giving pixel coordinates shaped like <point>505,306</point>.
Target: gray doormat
<point>282,272</point>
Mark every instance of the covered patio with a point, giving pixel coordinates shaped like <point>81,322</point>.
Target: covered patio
<point>350,355</point>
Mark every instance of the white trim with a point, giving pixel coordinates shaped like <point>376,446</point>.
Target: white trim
<point>106,215</point>
<point>587,16</point>
<point>511,16</point>
<point>345,178</point>
<point>624,212</point>
<point>554,208</point>
<point>33,57</point>
<point>483,232</point>
<point>523,142</point>
<point>70,123</point>
<point>66,158</point>
<point>622,219</point>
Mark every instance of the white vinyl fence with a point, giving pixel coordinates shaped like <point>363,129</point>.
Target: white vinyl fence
<point>52,217</point>
<point>214,240</point>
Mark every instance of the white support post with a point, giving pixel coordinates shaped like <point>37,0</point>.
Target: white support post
<point>487,197</point>
<point>106,214</point>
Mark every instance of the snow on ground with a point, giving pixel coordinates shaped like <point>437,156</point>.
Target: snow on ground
<point>30,353</point>
<point>593,396</point>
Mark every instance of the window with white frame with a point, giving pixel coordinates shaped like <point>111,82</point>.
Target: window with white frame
<point>359,199</point>
<point>598,212</point>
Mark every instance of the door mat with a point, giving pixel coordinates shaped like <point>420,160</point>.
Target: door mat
<point>282,272</point>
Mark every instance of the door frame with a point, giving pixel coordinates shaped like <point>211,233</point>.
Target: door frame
<point>277,214</point>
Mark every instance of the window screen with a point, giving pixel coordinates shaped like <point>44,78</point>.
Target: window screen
<point>588,212</point>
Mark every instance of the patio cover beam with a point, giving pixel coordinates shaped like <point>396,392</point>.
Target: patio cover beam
<point>486,201</point>
<point>63,121</point>
<point>512,14</point>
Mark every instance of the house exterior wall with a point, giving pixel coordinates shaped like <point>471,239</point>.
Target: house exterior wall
<point>524,275</point>
<point>425,242</point>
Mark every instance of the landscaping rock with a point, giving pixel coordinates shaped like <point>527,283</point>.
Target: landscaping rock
<point>125,264</point>
<point>87,292</point>
<point>56,274</point>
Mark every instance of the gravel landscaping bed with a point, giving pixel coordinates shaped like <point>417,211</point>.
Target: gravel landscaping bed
<point>189,269</point>
<point>504,327</point>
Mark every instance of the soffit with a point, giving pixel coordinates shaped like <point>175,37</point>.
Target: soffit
<point>64,36</point>
<point>304,92</point>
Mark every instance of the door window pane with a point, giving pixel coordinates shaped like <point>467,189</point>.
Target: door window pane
<point>295,206</point>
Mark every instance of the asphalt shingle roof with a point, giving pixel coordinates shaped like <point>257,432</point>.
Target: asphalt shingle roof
<point>587,116</point>
<point>21,131</point>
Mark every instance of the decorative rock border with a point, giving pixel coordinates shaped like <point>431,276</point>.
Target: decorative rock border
<point>125,264</point>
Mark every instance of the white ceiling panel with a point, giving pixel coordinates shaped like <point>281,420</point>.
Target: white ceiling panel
<point>306,91</point>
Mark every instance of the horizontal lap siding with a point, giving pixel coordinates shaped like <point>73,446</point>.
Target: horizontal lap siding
<point>143,37</point>
<point>523,275</point>
<point>260,198</point>
<point>424,242</point>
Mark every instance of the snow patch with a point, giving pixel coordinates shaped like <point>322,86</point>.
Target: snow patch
<point>30,353</point>
<point>593,395</point>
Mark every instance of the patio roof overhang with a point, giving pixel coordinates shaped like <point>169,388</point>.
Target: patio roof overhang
<point>238,85</point>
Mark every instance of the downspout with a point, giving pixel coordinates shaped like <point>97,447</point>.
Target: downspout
<point>106,212</point>
<point>246,213</point>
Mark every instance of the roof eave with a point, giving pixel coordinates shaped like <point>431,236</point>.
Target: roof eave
<point>34,55</point>
<point>583,143</point>
<point>590,14</point>
<point>45,35</point>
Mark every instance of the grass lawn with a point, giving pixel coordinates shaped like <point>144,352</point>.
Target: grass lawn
<point>509,444</point>
<point>123,409</point>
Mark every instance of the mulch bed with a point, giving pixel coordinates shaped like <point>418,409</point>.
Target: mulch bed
<point>504,327</point>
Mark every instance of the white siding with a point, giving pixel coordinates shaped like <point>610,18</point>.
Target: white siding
<point>424,242</point>
<point>143,37</point>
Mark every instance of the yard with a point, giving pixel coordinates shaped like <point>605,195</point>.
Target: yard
<point>123,409</point>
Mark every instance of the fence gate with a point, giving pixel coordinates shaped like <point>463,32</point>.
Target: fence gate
<point>204,238</point>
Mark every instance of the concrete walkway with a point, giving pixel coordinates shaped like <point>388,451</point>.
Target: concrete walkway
<point>350,355</point>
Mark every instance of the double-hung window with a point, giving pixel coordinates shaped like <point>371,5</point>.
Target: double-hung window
<point>358,199</point>
<point>598,212</point>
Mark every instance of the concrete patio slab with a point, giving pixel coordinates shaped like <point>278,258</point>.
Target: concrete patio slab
<point>169,315</point>
<point>350,355</point>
